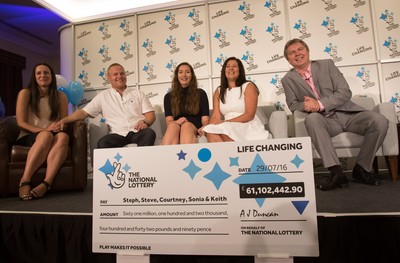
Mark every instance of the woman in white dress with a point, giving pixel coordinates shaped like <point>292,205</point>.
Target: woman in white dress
<point>234,107</point>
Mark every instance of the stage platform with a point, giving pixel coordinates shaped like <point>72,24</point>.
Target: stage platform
<point>356,224</point>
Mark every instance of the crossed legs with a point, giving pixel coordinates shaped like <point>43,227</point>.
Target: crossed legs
<point>50,148</point>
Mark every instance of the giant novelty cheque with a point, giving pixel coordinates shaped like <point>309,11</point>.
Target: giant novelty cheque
<point>233,198</point>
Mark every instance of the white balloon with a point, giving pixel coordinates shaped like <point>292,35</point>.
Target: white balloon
<point>61,81</point>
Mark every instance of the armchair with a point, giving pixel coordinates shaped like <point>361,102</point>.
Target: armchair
<point>348,144</point>
<point>72,175</point>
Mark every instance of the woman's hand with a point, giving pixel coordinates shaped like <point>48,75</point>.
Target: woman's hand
<point>200,131</point>
<point>54,127</point>
<point>181,121</point>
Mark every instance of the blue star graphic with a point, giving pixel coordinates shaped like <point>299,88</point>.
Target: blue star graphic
<point>217,176</point>
<point>118,157</point>
<point>234,161</point>
<point>107,168</point>
<point>266,176</point>
<point>181,155</point>
<point>126,167</point>
<point>297,161</point>
<point>192,169</point>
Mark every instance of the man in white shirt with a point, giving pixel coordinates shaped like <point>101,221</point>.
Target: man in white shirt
<point>127,111</point>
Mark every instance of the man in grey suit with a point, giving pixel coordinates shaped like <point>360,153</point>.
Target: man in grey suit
<point>319,88</point>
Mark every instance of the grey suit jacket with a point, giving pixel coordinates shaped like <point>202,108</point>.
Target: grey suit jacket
<point>333,89</point>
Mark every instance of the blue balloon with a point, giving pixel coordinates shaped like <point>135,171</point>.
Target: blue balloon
<point>66,92</point>
<point>77,92</point>
<point>2,109</point>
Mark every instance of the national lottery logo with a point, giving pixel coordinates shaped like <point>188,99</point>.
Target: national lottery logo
<point>171,66</point>
<point>103,75</point>
<point>329,5</point>
<point>83,54</point>
<point>331,49</point>
<point>276,82</point>
<point>125,25</point>
<point>197,65</point>
<point>271,5</point>
<point>221,36</point>
<point>329,24</point>
<point>195,39</point>
<point>273,29</point>
<point>396,101</point>
<point>249,59</point>
<point>391,44</point>
<point>248,35</point>
<point>245,9</point>
<point>274,58</point>
<point>149,70</point>
<point>83,77</point>
<point>359,22</point>
<point>126,49</point>
<point>148,45</point>
<point>301,26</point>
<point>220,59</point>
<point>117,172</point>
<point>151,94</point>
<point>299,3</point>
<point>365,76</point>
<point>170,18</point>
<point>103,51</point>
<point>388,17</point>
<point>195,16</point>
<point>103,28</point>
<point>171,42</point>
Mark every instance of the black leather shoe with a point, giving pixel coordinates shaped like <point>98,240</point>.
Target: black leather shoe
<point>337,180</point>
<point>362,176</point>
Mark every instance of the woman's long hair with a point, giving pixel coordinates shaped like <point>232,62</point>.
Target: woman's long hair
<point>53,93</point>
<point>224,81</point>
<point>192,104</point>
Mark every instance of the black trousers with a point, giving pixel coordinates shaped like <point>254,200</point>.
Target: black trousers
<point>145,137</point>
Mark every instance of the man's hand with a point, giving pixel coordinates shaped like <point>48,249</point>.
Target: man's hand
<point>141,125</point>
<point>310,104</point>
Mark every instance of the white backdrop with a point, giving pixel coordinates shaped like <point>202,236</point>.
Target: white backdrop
<point>359,35</point>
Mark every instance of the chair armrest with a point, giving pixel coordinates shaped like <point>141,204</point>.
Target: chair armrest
<point>159,126</point>
<point>299,124</point>
<point>9,130</point>
<point>278,124</point>
<point>79,153</point>
<point>390,145</point>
